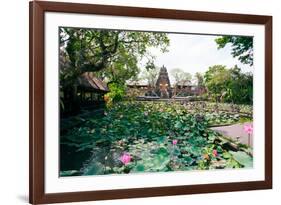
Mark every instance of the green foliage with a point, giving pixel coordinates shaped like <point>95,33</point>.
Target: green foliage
<point>156,162</point>
<point>95,168</point>
<point>242,47</point>
<point>145,131</point>
<point>112,52</point>
<point>69,173</point>
<point>217,114</point>
<point>199,79</point>
<point>242,158</point>
<point>221,118</point>
<point>229,85</point>
<point>113,56</point>
<point>223,107</point>
<point>216,79</point>
<point>117,92</point>
<point>125,67</point>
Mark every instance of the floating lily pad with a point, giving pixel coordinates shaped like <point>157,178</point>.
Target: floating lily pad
<point>242,158</point>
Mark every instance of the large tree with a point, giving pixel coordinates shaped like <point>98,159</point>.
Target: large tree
<point>199,78</point>
<point>112,54</point>
<point>151,76</point>
<point>216,79</point>
<point>240,87</point>
<point>181,78</point>
<point>92,50</point>
<point>242,47</point>
<point>229,85</point>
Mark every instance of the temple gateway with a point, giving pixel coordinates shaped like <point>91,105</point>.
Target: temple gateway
<point>163,88</point>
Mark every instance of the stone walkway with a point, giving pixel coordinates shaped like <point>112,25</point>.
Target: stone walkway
<point>235,132</point>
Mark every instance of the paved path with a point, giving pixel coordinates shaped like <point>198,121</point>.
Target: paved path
<point>235,132</point>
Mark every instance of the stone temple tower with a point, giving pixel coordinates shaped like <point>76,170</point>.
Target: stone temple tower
<point>163,86</point>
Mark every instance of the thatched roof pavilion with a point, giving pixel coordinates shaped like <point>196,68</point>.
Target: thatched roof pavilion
<point>90,83</point>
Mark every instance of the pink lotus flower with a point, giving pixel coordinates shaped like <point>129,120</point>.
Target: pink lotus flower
<point>161,110</point>
<point>215,153</point>
<point>145,113</point>
<point>125,158</point>
<point>248,129</point>
<point>174,142</point>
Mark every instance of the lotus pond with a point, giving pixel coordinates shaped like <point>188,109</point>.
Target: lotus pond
<point>133,137</point>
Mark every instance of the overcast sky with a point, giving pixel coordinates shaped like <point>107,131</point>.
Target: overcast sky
<point>195,53</point>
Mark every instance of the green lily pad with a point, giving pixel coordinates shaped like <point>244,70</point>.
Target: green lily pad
<point>94,168</point>
<point>139,168</point>
<point>242,158</point>
<point>68,173</point>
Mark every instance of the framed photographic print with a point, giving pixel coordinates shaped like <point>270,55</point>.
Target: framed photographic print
<point>139,102</point>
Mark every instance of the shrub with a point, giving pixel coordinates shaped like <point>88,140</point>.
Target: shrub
<point>117,92</point>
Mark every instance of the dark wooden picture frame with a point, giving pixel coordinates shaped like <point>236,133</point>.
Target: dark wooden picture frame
<point>37,10</point>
